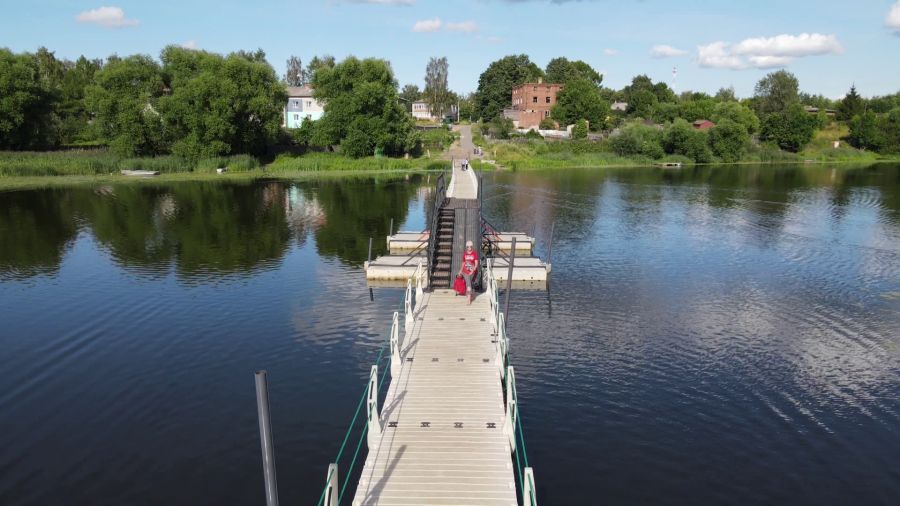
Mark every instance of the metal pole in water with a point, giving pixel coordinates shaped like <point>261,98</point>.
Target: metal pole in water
<point>265,437</point>
<point>369,257</point>
<point>550,248</point>
<point>509,275</point>
<point>391,230</point>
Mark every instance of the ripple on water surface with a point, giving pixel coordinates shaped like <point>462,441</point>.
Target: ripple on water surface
<point>707,331</point>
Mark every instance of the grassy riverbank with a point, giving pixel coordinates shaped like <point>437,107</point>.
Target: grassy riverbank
<point>529,154</point>
<point>99,162</point>
<point>20,170</point>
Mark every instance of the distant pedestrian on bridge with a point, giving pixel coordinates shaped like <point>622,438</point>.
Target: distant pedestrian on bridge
<point>464,164</point>
<point>468,268</point>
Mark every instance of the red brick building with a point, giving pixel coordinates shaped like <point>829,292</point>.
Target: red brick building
<point>532,102</point>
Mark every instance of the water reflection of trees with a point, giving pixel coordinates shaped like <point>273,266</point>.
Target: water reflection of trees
<point>36,228</point>
<point>357,210</point>
<point>232,228</point>
<point>196,226</point>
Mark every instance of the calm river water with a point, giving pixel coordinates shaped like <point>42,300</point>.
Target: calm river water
<point>711,336</point>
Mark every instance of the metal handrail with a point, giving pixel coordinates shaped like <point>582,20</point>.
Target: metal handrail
<point>411,303</point>
<point>439,196</point>
<point>513,424</point>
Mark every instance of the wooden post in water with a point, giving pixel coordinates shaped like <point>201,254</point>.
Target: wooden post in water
<point>369,257</point>
<point>509,275</point>
<point>391,229</point>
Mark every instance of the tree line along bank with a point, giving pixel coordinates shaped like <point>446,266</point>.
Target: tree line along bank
<point>198,105</point>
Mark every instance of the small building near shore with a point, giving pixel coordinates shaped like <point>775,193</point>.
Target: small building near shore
<point>703,124</point>
<point>532,102</point>
<point>421,111</point>
<point>301,106</point>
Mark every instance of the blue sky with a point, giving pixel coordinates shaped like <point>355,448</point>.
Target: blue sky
<point>713,43</point>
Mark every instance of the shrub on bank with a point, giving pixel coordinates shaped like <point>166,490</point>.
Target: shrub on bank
<point>331,161</point>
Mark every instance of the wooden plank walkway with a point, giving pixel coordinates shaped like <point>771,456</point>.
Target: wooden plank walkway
<point>443,437</point>
<point>443,417</point>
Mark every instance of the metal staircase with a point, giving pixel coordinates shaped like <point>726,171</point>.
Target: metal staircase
<point>442,271</point>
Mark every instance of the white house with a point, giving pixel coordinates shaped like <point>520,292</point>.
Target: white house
<point>301,105</point>
<point>421,110</point>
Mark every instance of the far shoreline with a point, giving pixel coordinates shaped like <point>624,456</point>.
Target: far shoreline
<point>14,183</point>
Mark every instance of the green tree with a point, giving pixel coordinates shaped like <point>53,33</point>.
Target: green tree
<point>467,106</point>
<point>665,112</point>
<point>681,138</point>
<point>580,130</point>
<point>636,138</point>
<point>496,83</point>
<point>500,127</point>
<point>692,110</point>
<point>74,116</point>
<point>865,132</point>
<point>27,119</point>
<point>851,105</point>
<point>436,90</point>
<point>124,100</point>
<point>663,93</point>
<point>362,111</point>
<point>580,99</point>
<point>220,105</point>
<point>641,103</point>
<point>776,92</point>
<point>547,124</point>
<point>726,95</point>
<point>728,139</point>
<point>737,112</point>
<point>561,70</point>
<point>409,94</point>
<point>791,130</point>
<point>294,75</point>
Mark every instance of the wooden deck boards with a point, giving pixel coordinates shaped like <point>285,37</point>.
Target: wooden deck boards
<point>452,379</point>
<point>448,445</point>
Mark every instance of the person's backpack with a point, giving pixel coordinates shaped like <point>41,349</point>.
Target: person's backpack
<point>459,285</point>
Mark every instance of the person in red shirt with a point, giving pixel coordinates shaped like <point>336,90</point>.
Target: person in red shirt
<point>469,267</point>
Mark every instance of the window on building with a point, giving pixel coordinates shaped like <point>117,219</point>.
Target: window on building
<point>534,88</point>
<point>548,100</point>
<point>546,114</point>
<point>296,117</point>
<point>309,102</point>
<point>533,100</point>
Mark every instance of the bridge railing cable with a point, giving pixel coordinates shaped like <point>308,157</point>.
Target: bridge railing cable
<point>513,421</point>
<point>409,304</point>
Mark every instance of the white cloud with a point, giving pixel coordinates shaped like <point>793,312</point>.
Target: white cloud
<point>610,52</point>
<point>718,55</point>
<point>666,51</point>
<point>766,52</point>
<point>428,25</point>
<point>805,44</point>
<point>770,62</point>
<point>110,17</point>
<point>189,44</point>
<point>892,20</point>
<point>462,26</point>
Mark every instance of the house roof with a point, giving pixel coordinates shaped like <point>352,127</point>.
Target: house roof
<point>300,91</point>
